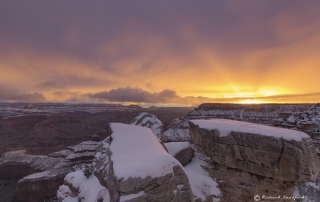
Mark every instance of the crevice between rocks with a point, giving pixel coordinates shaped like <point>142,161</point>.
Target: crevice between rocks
<point>281,152</point>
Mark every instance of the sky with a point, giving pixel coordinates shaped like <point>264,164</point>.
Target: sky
<point>160,52</point>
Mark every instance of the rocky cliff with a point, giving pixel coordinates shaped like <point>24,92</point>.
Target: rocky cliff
<point>249,159</point>
<point>307,121</point>
<point>302,117</point>
<point>233,161</point>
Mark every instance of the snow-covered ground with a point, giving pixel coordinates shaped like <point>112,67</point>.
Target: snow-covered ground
<point>175,147</point>
<point>202,184</point>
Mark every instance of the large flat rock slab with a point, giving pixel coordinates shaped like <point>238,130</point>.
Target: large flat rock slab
<point>277,153</point>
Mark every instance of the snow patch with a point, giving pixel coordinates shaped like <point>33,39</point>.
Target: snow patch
<point>201,183</point>
<point>131,196</point>
<point>175,147</point>
<point>88,188</point>
<point>226,126</point>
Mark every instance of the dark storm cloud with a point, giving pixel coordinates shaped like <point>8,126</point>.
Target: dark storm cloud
<point>130,94</point>
<point>77,46</point>
<point>138,95</point>
<point>8,94</point>
<point>76,28</point>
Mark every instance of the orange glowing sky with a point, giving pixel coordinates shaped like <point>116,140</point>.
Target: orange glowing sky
<point>160,52</point>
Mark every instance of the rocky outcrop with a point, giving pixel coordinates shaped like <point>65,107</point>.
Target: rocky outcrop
<point>307,121</point>
<point>18,164</point>
<point>40,186</point>
<point>42,175</point>
<point>182,151</point>
<point>173,123</point>
<point>148,120</point>
<point>179,132</point>
<point>253,113</point>
<point>134,166</point>
<point>261,114</point>
<point>249,158</point>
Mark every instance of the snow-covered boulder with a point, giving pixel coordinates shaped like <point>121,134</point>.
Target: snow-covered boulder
<point>268,151</point>
<point>182,151</point>
<point>79,188</point>
<point>148,120</point>
<point>135,167</point>
<point>250,158</point>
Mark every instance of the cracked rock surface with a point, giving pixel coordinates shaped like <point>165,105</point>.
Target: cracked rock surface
<point>250,163</point>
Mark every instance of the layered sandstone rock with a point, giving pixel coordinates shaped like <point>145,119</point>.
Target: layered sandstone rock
<point>41,175</point>
<point>266,114</point>
<point>17,164</point>
<point>134,166</point>
<point>253,113</point>
<point>40,186</point>
<point>251,159</point>
<point>307,121</point>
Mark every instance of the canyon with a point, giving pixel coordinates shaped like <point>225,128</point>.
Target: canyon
<point>51,139</point>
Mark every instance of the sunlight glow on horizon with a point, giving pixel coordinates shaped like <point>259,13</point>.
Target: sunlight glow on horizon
<point>182,55</point>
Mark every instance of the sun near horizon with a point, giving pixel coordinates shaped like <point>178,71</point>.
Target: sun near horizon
<point>184,54</point>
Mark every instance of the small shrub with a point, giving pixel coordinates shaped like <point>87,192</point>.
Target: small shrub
<point>54,199</point>
<point>80,198</point>
<point>100,199</point>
